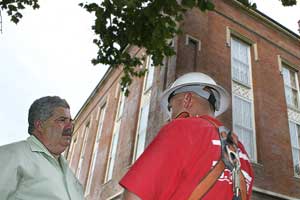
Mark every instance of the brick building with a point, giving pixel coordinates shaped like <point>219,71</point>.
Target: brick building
<point>249,54</point>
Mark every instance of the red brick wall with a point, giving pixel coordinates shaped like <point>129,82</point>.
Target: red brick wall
<point>274,166</point>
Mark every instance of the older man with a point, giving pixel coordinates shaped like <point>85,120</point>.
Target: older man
<point>193,157</point>
<point>35,169</point>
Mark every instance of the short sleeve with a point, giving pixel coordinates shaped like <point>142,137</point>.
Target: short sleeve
<point>156,173</point>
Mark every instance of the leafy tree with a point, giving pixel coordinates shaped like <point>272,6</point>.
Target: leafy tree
<point>149,24</point>
<point>14,7</point>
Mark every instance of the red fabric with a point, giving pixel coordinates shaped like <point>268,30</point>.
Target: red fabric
<point>182,153</point>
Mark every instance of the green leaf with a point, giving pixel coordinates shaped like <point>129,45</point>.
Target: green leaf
<point>189,3</point>
<point>14,19</point>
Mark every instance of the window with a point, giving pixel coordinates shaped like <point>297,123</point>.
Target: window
<point>82,154</point>
<point>240,52</point>
<point>295,142</point>
<point>120,105</point>
<point>71,150</point>
<point>150,73</point>
<point>141,134</point>
<point>242,123</point>
<point>192,49</point>
<point>290,87</point>
<point>95,150</point>
<point>115,138</point>
<point>242,95</point>
<point>113,152</point>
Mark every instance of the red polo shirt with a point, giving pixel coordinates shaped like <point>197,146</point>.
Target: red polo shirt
<point>182,153</point>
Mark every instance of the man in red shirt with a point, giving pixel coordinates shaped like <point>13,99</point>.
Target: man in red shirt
<point>188,148</point>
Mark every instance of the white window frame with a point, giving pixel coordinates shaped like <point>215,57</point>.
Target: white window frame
<point>145,101</point>
<point>74,141</point>
<point>249,87</point>
<point>149,75</point>
<point>297,124</point>
<point>83,148</point>
<point>112,152</point>
<point>115,136</point>
<point>290,69</point>
<point>71,150</point>
<point>101,118</point>
<point>246,128</point>
<point>138,140</point>
<point>249,84</point>
<point>121,104</point>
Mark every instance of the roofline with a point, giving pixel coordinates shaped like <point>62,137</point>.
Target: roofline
<point>269,20</point>
<point>87,101</point>
<point>105,76</point>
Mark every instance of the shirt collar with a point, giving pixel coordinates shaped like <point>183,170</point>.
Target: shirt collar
<point>37,146</point>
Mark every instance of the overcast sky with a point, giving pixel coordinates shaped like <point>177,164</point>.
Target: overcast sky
<point>49,53</point>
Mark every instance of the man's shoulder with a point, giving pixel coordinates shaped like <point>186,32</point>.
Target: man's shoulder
<point>16,147</point>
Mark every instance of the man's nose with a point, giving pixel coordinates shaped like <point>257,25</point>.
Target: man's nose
<point>69,124</point>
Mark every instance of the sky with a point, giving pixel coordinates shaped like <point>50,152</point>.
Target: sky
<point>49,53</point>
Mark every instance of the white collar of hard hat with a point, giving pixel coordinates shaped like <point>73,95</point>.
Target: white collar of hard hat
<point>199,90</point>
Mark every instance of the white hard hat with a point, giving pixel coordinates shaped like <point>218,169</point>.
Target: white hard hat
<point>195,82</point>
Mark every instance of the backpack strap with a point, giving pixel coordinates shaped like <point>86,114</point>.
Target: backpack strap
<point>229,160</point>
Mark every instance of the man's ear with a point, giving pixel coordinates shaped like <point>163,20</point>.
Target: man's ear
<point>38,125</point>
<point>187,100</point>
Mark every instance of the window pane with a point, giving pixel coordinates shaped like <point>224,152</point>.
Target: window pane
<point>293,79</point>
<point>240,61</point>
<point>296,156</point>
<point>242,123</point>
<point>95,150</point>
<point>295,142</point>
<point>295,98</point>
<point>113,152</point>
<point>82,153</point>
<point>121,105</point>
<point>291,96</point>
<point>142,130</point>
<point>150,73</point>
<point>286,76</point>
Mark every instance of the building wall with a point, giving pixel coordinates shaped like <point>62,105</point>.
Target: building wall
<point>204,46</point>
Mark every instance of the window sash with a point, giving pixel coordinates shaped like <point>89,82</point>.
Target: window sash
<point>141,134</point>
<point>149,75</point>
<point>290,87</point>
<point>291,96</point>
<point>243,123</point>
<point>121,103</point>
<point>240,54</point>
<point>95,149</point>
<point>295,141</point>
<point>113,151</point>
<point>82,153</point>
<point>289,77</point>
